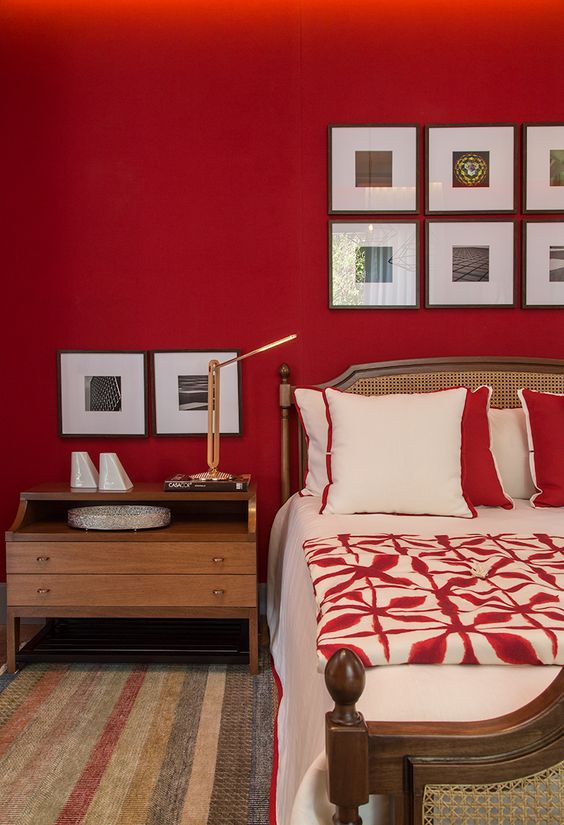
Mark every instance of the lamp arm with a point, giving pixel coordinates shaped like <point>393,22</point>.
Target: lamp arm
<point>214,367</point>
<point>277,343</point>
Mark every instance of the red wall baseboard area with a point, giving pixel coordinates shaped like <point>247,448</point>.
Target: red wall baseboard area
<point>165,186</point>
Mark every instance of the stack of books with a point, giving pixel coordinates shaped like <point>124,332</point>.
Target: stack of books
<point>182,483</point>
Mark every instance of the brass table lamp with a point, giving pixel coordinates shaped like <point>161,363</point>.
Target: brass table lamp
<point>214,367</point>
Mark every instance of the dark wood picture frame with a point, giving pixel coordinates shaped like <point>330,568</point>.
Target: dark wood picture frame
<point>524,183</point>
<point>471,219</point>
<point>524,278</point>
<point>417,279</point>
<point>73,400</point>
<point>331,158</point>
<point>461,126</point>
<point>233,352</point>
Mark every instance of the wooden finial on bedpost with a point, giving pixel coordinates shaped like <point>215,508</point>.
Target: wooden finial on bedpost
<point>346,737</point>
<point>345,680</point>
<point>285,405</point>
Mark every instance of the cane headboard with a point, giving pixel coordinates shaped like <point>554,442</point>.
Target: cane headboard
<point>504,374</point>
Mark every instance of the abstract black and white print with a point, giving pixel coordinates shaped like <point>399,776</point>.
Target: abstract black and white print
<point>102,393</point>
<point>556,263</point>
<point>470,263</point>
<point>192,392</point>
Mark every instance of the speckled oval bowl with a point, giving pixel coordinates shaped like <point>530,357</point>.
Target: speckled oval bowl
<point>119,517</point>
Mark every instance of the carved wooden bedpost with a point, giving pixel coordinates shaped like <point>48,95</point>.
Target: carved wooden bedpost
<point>346,737</point>
<point>285,405</point>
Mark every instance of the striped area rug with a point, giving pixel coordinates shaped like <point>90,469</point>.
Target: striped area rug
<point>136,745</point>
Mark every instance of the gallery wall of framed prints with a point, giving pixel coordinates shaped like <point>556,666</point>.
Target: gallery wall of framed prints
<point>481,183</point>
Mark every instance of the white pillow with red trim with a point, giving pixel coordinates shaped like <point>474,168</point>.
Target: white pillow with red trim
<point>313,415</point>
<point>396,454</point>
<point>544,415</point>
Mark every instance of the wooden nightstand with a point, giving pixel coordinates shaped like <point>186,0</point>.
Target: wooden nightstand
<point>203,566</point>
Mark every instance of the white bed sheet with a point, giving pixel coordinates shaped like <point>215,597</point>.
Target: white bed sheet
<point>392,693</point>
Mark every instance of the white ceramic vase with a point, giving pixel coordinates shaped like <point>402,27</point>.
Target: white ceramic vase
<point>84,475</point>
<point>112,474</point>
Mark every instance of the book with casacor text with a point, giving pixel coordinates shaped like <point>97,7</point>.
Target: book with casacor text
<point>184,483</point>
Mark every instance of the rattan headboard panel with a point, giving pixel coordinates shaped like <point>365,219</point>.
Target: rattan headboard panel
<point>505,384</point>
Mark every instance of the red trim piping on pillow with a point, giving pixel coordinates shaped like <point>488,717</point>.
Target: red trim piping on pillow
<point>328,451</point>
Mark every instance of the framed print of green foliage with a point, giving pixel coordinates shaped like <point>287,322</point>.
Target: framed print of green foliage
<point>374,265</point>
<point>543,167</point>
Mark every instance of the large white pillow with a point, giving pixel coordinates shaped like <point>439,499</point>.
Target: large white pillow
<point>510,449</point>
<point>313,414</point>
<point>396,454</point>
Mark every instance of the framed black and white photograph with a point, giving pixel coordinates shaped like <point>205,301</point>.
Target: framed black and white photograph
<point>543,263</point>
<point>374,265</point>
<point>543,167</point>
<point>373,168</point>
<point>470,263</point>
<point>180,392</point>
<point>102,393</point>
<point>471,168</point>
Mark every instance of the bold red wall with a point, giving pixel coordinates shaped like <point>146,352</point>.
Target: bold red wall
<point>164,186</point>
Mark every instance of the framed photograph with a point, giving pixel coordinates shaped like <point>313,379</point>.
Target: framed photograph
<point>102,393</point>
<point>373,168</point>
<point>471,168</point>
<point>543,168</point>
<point>374,265</point>
<point>180,392</point>
<point>470,263</point>
<point>543,263</point>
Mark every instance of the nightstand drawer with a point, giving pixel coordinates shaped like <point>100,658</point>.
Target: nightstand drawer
<point>132,591</point>
<point>130,557</point>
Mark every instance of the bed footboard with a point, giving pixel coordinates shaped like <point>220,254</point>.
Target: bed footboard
<point>346,738</point>
<point>433,770</point>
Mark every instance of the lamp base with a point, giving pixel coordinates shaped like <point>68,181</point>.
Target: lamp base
<point>210,475</point>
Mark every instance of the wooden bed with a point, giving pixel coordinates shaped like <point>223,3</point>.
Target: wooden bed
<point>500,771</point>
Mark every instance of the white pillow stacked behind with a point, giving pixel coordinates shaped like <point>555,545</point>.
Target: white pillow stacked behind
<point>313,414</point>
<point>510,449</point>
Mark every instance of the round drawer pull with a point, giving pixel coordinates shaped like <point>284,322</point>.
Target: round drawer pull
<point>218,592</point>
<point>42,559</point>
<point>42,590</point>
<point>218,560</point>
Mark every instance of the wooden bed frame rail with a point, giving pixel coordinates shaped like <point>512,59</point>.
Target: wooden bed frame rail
<point>400,758</point>
<point>418,765</point>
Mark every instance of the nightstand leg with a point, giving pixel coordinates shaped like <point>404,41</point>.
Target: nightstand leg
<point>12,639</point>
<point>253,641</point>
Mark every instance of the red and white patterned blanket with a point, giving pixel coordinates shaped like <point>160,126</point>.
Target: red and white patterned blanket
<point>474,599</point>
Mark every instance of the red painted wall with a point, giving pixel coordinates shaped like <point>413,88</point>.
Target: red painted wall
<point>164,186</point>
